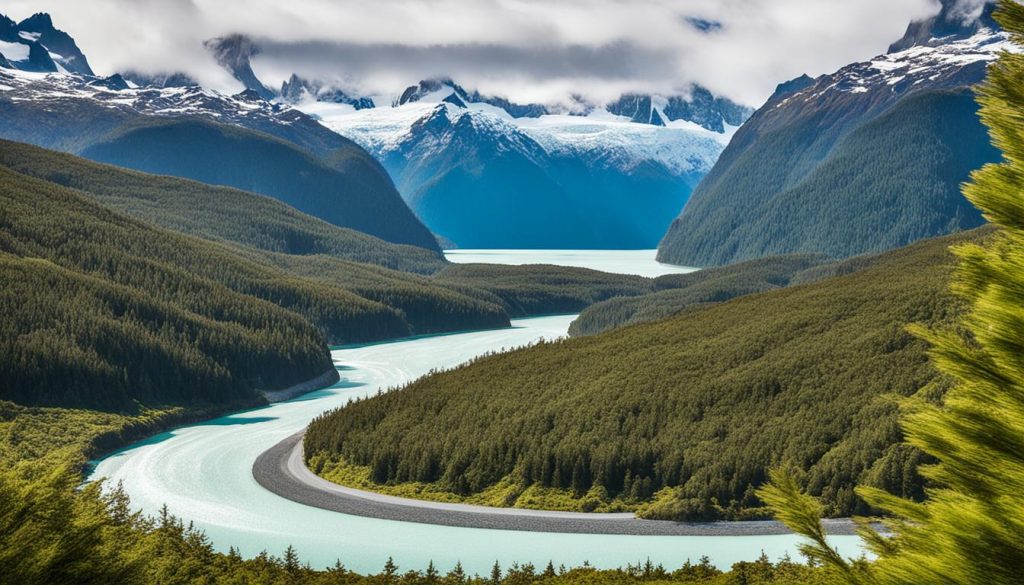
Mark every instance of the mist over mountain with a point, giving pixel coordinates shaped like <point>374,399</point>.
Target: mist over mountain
<point>483,171</point>
<point>487,173</point>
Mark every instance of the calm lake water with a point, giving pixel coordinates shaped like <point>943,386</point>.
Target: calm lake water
<point>203,472</point>
<point>640,262</point>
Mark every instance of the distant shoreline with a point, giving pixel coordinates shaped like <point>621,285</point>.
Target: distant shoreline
<point>324,380</point>
<point>282,470</point>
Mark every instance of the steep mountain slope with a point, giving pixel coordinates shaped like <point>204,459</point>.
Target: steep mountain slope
<point>680,418</point>
<point>289,258</point>
<point>241,141</point>
<point>34,44</point>
<point>349,193</point>
<point>865,159</point>
<point>217,213</point>
<point>100,310</point>
<point>284,246</point>
<point>482,178</point>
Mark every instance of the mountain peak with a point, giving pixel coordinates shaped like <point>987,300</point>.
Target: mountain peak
<point>37,22</point>
<point>792,86</point>
<point>957,19</point>
<point>49,49</point>
<point>414,93</point>
<point>234,52</point>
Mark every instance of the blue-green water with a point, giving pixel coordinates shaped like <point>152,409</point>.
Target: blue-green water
<point>203,474</point>
<point>639,262</point>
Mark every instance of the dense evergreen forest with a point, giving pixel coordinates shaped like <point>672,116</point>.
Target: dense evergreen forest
<point>679,292</point>
<point>100,310</point>
<point>211,212</point>
<point>888,182</point>
<point>52,533</point>
<point>124,308</point>
<point>679,418</point>
<point>310,254</point>
<point>351,190</point>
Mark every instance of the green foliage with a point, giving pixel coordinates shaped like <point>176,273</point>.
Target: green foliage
<point>970,529</point>
<point>803,513</point>
<point>679,292</point>
<point>836,181</point>
<point>681,418</point>
<point>101,310</point>
<point>542,289</point>
<point>351,190</point>
<point>53,533</point>
<point>216,213</point>
<point>45,438</point>
<point>317,258</point>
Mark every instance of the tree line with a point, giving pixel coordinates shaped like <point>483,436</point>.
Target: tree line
<point>676,419</point>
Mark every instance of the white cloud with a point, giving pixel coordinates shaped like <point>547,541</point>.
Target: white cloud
<point>526,49</point>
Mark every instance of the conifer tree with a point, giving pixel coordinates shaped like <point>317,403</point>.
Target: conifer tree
<point>970,529</point>
<point>457,575</point>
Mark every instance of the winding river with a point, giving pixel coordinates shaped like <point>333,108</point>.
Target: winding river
<point>203,472</point>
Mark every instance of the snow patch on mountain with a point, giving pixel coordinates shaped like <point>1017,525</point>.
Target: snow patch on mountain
<point>615,141</point>
<point>953,63</point>
<point>14,51</point>
<point>51,89</point>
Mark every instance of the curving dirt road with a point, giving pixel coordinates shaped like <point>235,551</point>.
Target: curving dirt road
<point>282,471</point>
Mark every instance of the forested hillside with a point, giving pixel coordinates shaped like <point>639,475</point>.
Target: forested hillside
<point>316,255</point>
<point>255,247</point>
<point>100,310</point>
<point>865,159</point>
<point>679,418</point>
<point>352,190</point>
<point>211,212</point>
<point>224,140</point>
<point>679,292</point>
<point>893,181</point>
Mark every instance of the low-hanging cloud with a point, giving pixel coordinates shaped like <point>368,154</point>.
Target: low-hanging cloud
<point>524,49</point>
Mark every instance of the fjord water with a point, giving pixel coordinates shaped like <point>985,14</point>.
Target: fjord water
<point>638,262</point>
<point>203,472</point>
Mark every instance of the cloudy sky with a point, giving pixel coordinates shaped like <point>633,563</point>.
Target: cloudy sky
<point>524,49</point>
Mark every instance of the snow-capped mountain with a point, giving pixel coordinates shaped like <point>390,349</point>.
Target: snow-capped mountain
<point>484,178</point>
<point>182,129</point>
<point>484,171</point>
<point>481,170</point>
<point>868,158</point>
<point>35,45</point>
<point>699,105</point>
<point>951,61</point>
<point>119,99</point>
